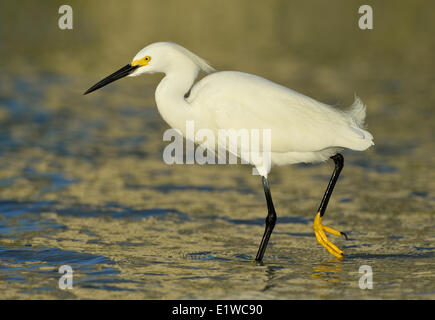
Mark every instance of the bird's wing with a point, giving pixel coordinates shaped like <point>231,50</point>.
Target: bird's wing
<point>235,100</point>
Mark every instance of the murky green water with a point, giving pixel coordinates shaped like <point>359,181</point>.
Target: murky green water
<point>82,181</point>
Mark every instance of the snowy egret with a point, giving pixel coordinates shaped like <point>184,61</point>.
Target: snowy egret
<point>302,129</point>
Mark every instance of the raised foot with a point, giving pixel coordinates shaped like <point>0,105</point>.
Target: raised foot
<point>319,231</point>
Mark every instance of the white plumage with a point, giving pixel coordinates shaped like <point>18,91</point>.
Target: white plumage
<point>299,123</point>
<point>302,129</point>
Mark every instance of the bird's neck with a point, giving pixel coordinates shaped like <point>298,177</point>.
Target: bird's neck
<point>170,100</point>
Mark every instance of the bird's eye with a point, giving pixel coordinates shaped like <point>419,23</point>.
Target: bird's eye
<point>147,58</point>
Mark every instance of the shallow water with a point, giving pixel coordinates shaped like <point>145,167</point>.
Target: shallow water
<point>82,183</point>
<point>89,190</point>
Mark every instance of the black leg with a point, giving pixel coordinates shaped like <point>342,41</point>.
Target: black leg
<point>270,220</point>
<point>339,163</point>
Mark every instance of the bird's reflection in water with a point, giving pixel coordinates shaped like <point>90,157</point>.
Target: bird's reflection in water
<point>328,271</point>
<point>271,276</point>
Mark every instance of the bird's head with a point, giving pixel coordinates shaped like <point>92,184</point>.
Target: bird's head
<point>158,57</point>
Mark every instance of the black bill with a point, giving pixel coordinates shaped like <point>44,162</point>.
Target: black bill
<point>121,73</point>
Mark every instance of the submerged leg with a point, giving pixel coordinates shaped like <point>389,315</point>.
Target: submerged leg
<point>270,220</point>
<point>320,229</point>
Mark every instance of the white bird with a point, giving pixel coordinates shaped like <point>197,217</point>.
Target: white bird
<point>302,129</point>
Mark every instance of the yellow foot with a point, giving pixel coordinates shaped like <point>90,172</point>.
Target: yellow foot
<point>319,231</point>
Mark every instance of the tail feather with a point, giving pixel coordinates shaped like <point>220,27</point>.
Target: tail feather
<point>358,111</point>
